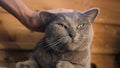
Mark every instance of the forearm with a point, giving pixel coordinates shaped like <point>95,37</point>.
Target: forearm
<point>26,16</point>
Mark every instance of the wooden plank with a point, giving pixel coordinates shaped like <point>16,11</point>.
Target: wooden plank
<point>106,43</point>
<point>104,61</point>
<point>17,45</point>
<point>106,31</point>
<point>9,58</point>
<point>102,50</point>
<point>109,11</point>
<point>106,38</point>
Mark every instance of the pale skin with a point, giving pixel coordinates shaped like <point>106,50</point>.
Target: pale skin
<point>26,16</point>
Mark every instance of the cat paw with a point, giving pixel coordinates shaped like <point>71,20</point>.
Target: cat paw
<point>64,64</point>
<point>24,65</point>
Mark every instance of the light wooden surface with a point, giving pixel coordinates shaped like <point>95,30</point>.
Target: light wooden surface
<point>106,42</point>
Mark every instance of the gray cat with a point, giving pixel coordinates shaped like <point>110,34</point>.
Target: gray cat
<point>66,43</point>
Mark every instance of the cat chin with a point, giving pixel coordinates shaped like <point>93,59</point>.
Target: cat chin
<point>72,47</point>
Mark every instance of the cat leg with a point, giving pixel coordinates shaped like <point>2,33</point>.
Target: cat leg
<point>27,64</point>
<point>64,64</point>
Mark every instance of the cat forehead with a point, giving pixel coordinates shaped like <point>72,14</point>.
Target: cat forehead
<point>72,17</point>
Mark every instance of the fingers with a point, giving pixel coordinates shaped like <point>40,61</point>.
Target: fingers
<point>64,10</point>
<point>60,10</point>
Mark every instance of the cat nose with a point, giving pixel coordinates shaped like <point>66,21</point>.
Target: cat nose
<point>72,35</point>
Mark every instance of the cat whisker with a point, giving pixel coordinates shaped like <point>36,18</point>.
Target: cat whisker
<point>52,46</point>
<point>48,47</point>
<point>56,48</point>
<point>41,43</point>
<point>57,45</point>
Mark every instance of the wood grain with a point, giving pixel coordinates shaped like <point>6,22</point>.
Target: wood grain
<point>15,39</point>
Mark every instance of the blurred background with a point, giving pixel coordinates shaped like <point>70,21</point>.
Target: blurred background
<point>17,42</point>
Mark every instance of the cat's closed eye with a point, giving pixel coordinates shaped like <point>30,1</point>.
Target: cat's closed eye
<point>62,25</point>
<point>80,25</point>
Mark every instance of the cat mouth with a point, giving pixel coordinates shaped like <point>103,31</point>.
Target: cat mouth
<point>67,44</point>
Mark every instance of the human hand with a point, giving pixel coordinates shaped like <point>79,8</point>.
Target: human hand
<point>59,10</point>
<point>38,22</point>
<point>26,16</point>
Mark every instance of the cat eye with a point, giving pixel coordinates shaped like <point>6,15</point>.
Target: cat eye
<point>80,25</point>
<point>62,25</point>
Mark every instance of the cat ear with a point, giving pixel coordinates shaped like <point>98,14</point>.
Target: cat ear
<point>91,14</point>
<point>46,17</point>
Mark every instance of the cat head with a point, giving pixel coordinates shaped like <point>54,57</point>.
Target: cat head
<point>69,31</point>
